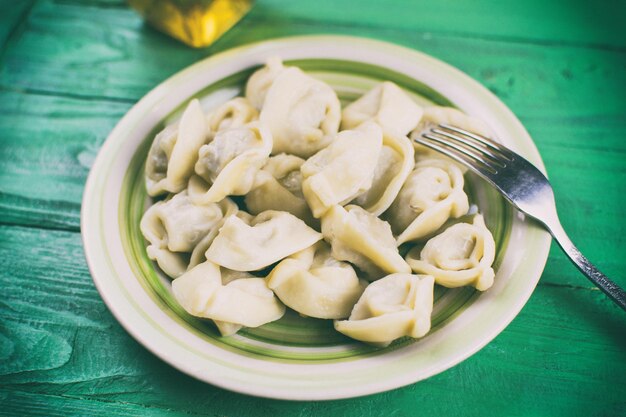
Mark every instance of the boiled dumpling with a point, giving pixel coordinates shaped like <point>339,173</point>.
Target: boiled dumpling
<point>278,186</point>
<point>240,302</point>
<point>234,113</point>
<point>395,306</point>
<point>230,147</point>
<point>229,164</point>
<point>227,329</point>
<point>228,275</point>
<point>302,113</point>
<point>315,284</point>
<point>431,195</point>
<point>436,115</point>
<point>246,243</point>
<point>387,105</point>
<point>261,81</point>
<point>229,208</point>
<point>178,223</point>
<point>344,170</point>
<point>461,255</point>
<point>174,152</point>
<point>395,163</point>
<point>363,239</point>
<point>174,228</point>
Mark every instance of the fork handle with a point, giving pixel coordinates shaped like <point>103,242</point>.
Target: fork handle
<point>611,289</point>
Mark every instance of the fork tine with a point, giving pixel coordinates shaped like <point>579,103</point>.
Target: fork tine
<point>495,159</point>
<point>470,157</point>
<point>457,153</point>
<point>441,149</point>
<point>506,153</point>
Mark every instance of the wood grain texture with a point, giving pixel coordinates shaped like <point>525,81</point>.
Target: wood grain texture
<point>63,354</point>
<point>48,145</point>
<point>555,22</point>
<point>114,45</point>
<point>12,14</point>
<point>70,69</point>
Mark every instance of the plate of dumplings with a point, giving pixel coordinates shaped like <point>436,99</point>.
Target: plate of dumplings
<point>264,222</point>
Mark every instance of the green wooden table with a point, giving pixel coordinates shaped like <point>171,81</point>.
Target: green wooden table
<point>70,69</point>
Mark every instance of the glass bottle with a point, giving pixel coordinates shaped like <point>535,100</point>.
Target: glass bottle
<point>197,23</point>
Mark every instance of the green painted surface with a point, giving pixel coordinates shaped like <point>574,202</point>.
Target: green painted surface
<point>70,69</point>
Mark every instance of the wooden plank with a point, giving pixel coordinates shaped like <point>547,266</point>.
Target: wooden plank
<point>19,403</point>
<point>104,49</point>
<point>585,163</point>
<point>554,22</point>
<point>111,53</point>
<point>48,145</point>
<point>12,14</point>
<point>63,354</point>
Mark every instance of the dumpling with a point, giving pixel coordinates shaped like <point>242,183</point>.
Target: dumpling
<point>436,115</point>
<point>229,208</point>
<point>315,284</point>
<point>461,255</point>
<point>386,104</point>
<point>234,113</point>
<point>342,171</point>
<point>232,146</point>
<point>363,239</point>
<point>246,243</point>
<point>174,152</point>
<point>395,306</point>
<point>431,195</point>
<point>302,113</point>
<point>241,302</point>
<point>174,228</point>
<point>278,186</point>
<point>261,81</point>
<point>226,328</point>
<point>229,164</point>
<point>395,163</point>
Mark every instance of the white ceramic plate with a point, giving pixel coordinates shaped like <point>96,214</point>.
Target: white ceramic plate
<point>297,358</point>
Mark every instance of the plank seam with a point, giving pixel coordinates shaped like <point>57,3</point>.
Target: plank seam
<point>61,94</point>
<point>568,286</point>
<point>71,229</point>
<point>94,4</point>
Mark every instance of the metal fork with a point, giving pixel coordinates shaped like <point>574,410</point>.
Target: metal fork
<point>521,183</point>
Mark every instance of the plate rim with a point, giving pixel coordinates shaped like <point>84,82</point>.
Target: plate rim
<point>91,188</point>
